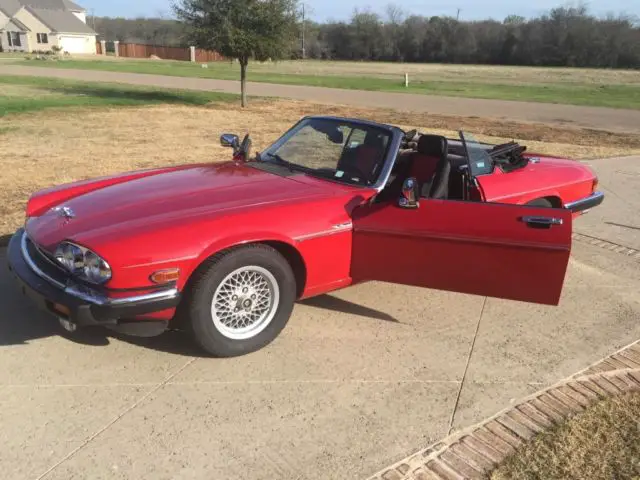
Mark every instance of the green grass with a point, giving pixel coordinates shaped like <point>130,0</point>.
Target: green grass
<point>27,94</point>
<point>576,91</point>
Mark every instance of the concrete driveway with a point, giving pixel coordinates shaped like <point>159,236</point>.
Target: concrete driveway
<point>358,380</point>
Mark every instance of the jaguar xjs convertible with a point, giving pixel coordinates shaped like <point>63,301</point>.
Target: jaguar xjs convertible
<point>224,249</point>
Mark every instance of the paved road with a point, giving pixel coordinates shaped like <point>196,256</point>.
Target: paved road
<point>358,379</point>
<point>590,117</point>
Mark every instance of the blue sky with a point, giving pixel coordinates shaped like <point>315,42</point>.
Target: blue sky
<point>342,9</point>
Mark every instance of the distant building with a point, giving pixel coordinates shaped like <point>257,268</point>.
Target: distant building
<point>31,25</point>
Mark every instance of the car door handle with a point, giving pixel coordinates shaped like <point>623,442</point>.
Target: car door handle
<point>542,222</point>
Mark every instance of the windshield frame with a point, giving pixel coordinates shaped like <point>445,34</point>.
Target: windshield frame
<point>396,135</point>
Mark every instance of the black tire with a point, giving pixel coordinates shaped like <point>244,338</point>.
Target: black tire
<point>207,279</point>
<point>540,202</point>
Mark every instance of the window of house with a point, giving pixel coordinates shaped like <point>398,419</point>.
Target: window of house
<point>43,38</point>
<point>14,39</point>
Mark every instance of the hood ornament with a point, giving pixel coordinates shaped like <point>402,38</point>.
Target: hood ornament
<point>64,212</point>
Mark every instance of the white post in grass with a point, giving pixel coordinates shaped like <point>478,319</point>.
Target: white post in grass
<point>406,80</point>
<point>103,47</point>
<point>192,50</point>
<point>116,46</point>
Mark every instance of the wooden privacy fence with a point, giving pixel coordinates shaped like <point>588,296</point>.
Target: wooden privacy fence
<point>138,50</point>
<point>207,56</point>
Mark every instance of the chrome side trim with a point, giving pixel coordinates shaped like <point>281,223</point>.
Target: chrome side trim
<point>89,295</point>
<point>585,203</point>
<point>341,227</point>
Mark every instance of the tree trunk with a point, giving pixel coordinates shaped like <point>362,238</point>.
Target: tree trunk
<point>243,81</point>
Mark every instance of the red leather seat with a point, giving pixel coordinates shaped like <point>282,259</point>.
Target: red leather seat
<point>431,152</point>
<point>366,159</point>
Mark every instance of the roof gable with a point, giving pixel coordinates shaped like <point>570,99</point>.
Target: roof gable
<point>15,25</point>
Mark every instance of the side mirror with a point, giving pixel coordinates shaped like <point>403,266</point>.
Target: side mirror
<point>409,194</point>
<point>229,140</point>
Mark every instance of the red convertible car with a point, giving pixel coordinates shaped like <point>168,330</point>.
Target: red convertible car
<point>225,249</point>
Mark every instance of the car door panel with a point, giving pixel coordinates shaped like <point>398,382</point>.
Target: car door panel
<point>469,247</point>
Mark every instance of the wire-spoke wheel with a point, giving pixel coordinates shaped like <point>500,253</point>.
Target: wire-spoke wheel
<point>240,300</point>
<point>245,302</point>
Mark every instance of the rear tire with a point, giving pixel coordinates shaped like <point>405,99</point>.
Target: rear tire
<point>540,202</point>
<point>240,300</point>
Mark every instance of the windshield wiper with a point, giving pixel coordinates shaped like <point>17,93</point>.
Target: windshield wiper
<point>291,166</point>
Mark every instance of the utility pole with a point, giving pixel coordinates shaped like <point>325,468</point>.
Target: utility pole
<point>458,15</point>
<point>304,26</point>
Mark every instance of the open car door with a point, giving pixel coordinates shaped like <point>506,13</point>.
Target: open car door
<point>489,249</point>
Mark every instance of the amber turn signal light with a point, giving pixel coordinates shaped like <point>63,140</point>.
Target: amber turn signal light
<point>165,276</point>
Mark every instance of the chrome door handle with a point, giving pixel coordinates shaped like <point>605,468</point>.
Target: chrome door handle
<point>542,222</point>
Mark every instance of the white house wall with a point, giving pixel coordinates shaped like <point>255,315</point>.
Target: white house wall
<point>35,26</point>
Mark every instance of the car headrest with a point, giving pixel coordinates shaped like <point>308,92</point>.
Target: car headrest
<point>374,140</point>
<point>432,145</point>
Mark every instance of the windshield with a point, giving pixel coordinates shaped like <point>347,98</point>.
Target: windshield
<point>335,149</point>
<point>478,157</point>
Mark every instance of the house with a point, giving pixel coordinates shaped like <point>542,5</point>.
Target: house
<point>32,25</point>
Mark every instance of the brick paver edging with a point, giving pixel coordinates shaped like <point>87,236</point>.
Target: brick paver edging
<point>475,451</point>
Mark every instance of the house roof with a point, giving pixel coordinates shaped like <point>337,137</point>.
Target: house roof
<point>10,7</point>
<point>61,21</point>
<point>52,5</point>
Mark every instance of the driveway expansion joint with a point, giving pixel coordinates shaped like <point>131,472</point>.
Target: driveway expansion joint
<point>116,418</point>
<point>466,368</point>
<point>476,450</point>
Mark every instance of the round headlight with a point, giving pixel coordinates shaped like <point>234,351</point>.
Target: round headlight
<point>96,270</point>
<point>70,256</point>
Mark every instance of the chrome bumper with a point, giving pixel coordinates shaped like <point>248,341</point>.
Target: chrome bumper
<point>85,305</point>
<point>86,293</point>
<point>584,204</point>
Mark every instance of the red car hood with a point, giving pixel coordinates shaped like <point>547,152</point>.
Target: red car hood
<point>178,195</point>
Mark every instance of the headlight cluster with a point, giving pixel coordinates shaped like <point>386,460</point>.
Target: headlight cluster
<point>83,263</point>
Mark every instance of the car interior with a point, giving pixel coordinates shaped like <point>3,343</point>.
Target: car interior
<point>364,159</point>
<point>439,169</point>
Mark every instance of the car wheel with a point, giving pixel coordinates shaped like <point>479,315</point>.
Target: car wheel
<point>540,202</point>
<point>240,300</point>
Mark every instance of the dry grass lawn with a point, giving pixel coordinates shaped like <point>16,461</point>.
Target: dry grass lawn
<point>55,146</point>
<point>601,443</point>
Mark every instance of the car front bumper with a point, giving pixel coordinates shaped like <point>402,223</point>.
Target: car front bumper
<point>77,303</point>
<point>586,203</point>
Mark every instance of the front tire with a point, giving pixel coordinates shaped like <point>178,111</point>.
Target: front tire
<point>240,300</point>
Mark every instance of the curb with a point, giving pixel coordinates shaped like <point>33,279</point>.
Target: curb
<point>475,451</point>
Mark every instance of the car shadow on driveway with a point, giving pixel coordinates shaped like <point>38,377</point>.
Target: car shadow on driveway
<point>21,322</point>
<point>329,302</point>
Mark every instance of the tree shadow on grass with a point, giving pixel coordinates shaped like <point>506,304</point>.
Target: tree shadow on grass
<point>127,94</point>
